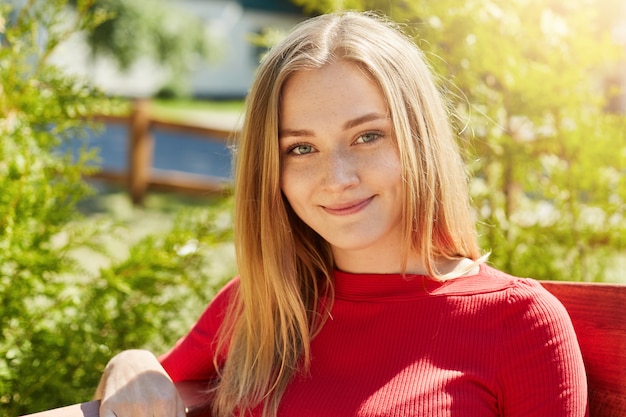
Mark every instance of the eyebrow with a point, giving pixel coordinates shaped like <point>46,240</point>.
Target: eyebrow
<point>347,125</point>
<point>363,119</point>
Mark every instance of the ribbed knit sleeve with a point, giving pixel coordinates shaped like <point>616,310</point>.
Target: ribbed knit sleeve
<point>541,372</point>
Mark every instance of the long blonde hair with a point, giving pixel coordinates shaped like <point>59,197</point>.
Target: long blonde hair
<point>285,268</point>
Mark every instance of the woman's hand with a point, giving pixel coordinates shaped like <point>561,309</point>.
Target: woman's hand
<point>134,384</point>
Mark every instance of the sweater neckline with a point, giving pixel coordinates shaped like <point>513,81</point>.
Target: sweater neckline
<point>395,287</point>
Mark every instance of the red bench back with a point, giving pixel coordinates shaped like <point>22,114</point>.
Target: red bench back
<point>598,312</point>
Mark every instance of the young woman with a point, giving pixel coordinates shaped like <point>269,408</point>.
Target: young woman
<point>362,290</point>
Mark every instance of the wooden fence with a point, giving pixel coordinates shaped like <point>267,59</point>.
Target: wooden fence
<point>139,176</point>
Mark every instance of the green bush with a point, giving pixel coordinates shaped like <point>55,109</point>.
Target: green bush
<point>60,322</point>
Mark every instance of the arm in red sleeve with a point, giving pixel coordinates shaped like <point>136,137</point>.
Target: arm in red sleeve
<point>541,367</point>
<point>192,356</point>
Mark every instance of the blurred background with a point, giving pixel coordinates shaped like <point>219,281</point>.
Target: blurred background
<point>117,119</point>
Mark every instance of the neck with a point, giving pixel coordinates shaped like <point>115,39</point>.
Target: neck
<point>392,263</point>
<point>377,262</point>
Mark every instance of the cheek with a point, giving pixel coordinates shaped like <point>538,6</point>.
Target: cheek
<point>386,166</point>
<point>296,198</point>
<point>294,184</point>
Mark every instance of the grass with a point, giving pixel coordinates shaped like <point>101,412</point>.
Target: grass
<point>216,114</point>
<point>222,113</point>
<point>129,224</point>
<point>178,105</point>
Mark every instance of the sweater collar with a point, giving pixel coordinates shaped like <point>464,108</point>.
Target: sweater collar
<point>395,287</point>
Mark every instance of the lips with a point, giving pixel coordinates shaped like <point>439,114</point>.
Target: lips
<point>350,207</point>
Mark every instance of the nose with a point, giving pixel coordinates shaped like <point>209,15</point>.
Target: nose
<point>340,171</point>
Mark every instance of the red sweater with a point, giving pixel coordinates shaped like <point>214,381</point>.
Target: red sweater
<point>483,345</point>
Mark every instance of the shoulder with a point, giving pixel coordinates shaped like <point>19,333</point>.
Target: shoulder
<point>527,294</point>
<point>523,298</point>
<point>495,284</point>
<point>216,310</point>
<point>227,293</point>
<point>533,319</point>
<point>509,301</point>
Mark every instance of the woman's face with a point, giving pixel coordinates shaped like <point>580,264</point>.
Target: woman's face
<point>340,169</point>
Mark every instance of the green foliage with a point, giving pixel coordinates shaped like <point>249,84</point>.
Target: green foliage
<point>151,297</point>
<point>159,31</point>
<point>525,81</point>
<point>59,321</point>
<point>148,299</point>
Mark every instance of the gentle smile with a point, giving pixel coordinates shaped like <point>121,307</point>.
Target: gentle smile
<point>348,208</point>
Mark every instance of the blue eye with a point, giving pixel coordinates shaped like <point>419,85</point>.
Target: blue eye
<point>368,137</point>
<point>301,149</point>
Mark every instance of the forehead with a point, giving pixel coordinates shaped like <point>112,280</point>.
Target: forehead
<point>341,89</point>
